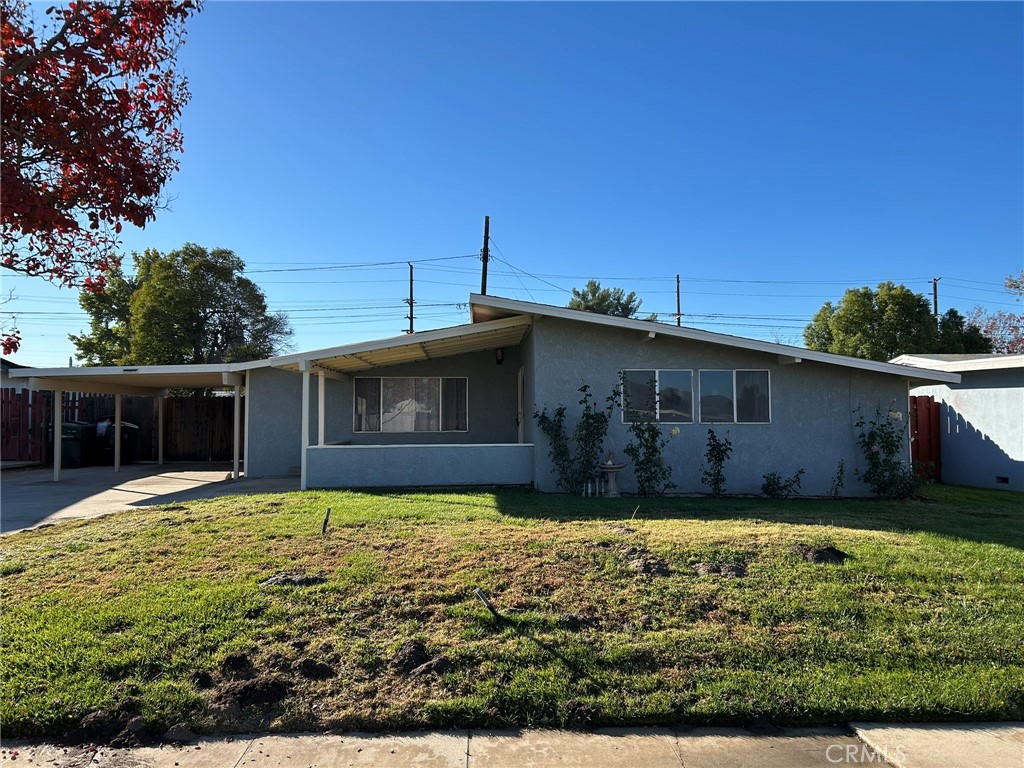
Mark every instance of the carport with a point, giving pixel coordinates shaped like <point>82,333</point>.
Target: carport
<point>147,380</point>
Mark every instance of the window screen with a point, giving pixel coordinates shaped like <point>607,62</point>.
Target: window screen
<point>752,397</point>
<point>675,397</point>
<point>716,397</point>
<point>638,398</point>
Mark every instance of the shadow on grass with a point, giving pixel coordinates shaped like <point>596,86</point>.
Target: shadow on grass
<point>969,514</point>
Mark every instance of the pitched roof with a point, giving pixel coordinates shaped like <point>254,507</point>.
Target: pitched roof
<point>953,363</point>
<point>489,308</point>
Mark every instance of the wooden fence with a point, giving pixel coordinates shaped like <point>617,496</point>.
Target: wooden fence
<point>198,428</point>
<point>926,443</point>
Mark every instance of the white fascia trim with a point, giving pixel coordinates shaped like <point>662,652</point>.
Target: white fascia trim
<point>709,337</point>
<point>127,370</point>
<point>981,364</point>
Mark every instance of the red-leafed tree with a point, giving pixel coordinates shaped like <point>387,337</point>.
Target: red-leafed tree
<point>91,99</point>
<point>1006,329</point>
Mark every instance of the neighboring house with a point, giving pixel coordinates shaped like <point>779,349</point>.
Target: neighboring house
<point>6,382</point>
<point>455,406</point>
<point>981,418</point>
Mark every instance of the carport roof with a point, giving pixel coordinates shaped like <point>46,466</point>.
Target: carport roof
<point>132,380</point>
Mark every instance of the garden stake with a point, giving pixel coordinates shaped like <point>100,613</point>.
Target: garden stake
<point>483,599</point>
<point>634,512</point>
<point>327,517</point>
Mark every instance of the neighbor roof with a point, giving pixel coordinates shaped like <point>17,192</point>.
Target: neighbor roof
<point>990,362</point>
<point>488,308</point>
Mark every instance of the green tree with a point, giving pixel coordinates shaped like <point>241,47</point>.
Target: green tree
<point>889,321</point>
<point>874,324</point>
<point>958,336</point>
<point>606,301</point>
<point>188,306</point>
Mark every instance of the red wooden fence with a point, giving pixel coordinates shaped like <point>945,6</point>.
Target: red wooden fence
<point>925,446</point>
<point>25,421</point>
<point>195,428</point>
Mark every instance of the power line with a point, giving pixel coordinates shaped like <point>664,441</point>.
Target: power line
<point>358,265</point>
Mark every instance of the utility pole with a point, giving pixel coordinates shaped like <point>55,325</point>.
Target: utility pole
<point>484,254</point>
<point>409,301</point>
<point>679,313</point>
<point>935,298</point>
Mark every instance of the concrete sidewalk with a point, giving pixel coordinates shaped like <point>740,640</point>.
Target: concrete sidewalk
<point>998,745</point>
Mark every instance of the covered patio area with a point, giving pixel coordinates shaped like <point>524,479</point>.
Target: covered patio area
<point>153,381</point>
<point>487,448</point>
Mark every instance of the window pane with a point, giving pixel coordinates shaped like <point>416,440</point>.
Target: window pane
<point>454,406</point>
<point>427,394</point>
<point>675,397</point>
<point>716,397</point>
<point>638,394</point>
<point>398,405</point>
<point>752,397</point>
<point>367,406</point>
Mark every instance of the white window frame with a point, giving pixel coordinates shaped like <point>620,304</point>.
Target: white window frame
<point>440,406</point>
<point>735,398</point>
<point>657,393</point>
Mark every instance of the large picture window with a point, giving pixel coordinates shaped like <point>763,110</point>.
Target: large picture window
<point>411,404</point>
<point>735,397</point>
<point>666,396</point>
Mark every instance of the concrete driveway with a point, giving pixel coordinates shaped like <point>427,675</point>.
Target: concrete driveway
<point>29,497</point>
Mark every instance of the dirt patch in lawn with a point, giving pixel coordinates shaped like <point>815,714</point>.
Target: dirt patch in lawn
<point>828,555</point>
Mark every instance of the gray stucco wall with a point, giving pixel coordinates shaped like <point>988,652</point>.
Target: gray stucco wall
<point>982,428</point>
<point>275,429</point>
<point>355,466</point>
<point>812,405</point>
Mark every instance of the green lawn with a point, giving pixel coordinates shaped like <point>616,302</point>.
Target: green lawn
<point>925,620</point>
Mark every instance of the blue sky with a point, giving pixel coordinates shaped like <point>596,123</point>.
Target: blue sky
<point>772,154</point>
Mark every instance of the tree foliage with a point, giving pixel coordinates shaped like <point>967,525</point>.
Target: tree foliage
<point>890,321</point>
<point>188,306</point>
<point>606,301</point>
<point>91,101</point>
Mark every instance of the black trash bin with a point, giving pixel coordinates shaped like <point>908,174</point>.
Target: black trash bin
<point>77,444</point>
<point>105,441</point>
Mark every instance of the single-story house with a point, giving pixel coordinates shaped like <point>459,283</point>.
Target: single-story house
<point>6,382</point>
<point>455,406</point>
<point>981,417</point>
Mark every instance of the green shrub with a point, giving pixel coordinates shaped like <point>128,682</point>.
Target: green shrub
<point>883,442</point>
<point>575,467</point>
<point>774,487</point>
<point>713,473</point>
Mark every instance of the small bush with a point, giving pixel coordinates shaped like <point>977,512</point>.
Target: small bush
<point>774,487</point>
<point>574,468</point>
<point>713,473</point>
<point>838,480</point>
<point>883,441</point>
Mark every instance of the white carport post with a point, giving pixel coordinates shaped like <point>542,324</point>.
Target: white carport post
<point>321,397</point>
<point>304,366</point>
<point>245,451</point>
<point>58,427</point>
<point>117,433</point>
<point>234,380</point>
